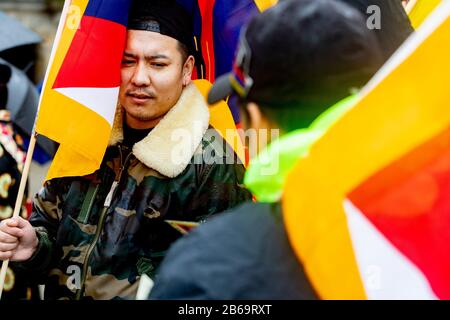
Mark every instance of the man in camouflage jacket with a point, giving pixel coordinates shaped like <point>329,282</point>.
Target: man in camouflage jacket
<point>98,234</point>
<point>89,246</point>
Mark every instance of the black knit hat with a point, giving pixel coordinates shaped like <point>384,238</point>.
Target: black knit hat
<point>301,52</point>
<point>166,17</point>
<point>395,24</point>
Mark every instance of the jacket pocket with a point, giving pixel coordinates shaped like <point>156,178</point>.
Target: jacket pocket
<point>88,202</point>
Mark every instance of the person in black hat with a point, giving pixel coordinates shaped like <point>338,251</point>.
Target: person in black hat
<point>158,61</point>
<point>394,25</point>
<point>94,237</point>
<point>297,68</point>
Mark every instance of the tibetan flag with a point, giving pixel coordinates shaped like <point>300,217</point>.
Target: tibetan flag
<point>368,211</point>
<point>184,227</point>
<point>217,24</point>
<point>419,10</point>
<point>222,120</point>
<point>82,84</point>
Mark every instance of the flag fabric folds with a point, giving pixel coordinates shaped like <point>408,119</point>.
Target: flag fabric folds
<point>368,212</point>
<point>217,24</point>
<point>82,84</point>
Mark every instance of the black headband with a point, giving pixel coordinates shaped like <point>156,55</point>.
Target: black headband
<point>165,17</point>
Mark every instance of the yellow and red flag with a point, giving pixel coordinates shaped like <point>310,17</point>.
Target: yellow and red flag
<point>368,211</point>
<point>80,94</point>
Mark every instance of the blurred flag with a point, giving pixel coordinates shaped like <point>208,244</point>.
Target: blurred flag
<point>184,227</point>
<point>217,24</point>
<point>368,211</point>
<point>82,83</point>
<point>419,10</point>
<point>222,120</point>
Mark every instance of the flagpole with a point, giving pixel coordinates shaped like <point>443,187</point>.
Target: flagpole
<point>18,206</point>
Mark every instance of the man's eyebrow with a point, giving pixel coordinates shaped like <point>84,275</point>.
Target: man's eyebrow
<point>129,55</point>
<point>148,58</point>
<point>156,56</point>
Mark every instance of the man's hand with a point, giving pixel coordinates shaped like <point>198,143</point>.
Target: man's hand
<point>18,240</point>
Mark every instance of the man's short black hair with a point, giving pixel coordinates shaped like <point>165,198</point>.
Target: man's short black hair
<point>184,51</point>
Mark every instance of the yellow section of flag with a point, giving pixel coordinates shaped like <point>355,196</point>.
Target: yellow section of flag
<point>265,4</point>
<point>405,105</point>
<point>81,131</point>
<point>419,10</point>
<point>222,120</point>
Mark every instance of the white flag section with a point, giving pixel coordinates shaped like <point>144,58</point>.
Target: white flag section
<point>386,273</point>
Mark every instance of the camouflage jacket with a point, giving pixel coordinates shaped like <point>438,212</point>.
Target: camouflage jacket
<point>98,234</point>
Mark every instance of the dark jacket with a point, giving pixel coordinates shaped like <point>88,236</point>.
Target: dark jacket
<point>243,254</point>
<point>98,234</point>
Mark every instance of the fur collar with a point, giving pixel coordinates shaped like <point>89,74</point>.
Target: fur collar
<point>170,146</point>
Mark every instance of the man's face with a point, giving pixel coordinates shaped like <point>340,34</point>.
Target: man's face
<point>153,75</point>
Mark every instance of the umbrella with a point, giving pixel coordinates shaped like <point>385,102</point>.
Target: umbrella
<point>14,34</point>
<point>23,101</point>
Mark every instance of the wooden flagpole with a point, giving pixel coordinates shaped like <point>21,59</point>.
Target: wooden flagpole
<point>19,200</point>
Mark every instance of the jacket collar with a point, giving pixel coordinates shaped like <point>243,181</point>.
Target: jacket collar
<point>170,146</point>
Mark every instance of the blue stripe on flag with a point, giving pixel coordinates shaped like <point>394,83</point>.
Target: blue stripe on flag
<point>113,10</point>
<point>229,17</point>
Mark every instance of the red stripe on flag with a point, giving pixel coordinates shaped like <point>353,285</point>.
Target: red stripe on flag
<point>206,10</point>
<point>409,203</point>
<point>94,56</point>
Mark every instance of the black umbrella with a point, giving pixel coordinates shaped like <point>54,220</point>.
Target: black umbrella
<point>22,102</point>
<point>14,34</point>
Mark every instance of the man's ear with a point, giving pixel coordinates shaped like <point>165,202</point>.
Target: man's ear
<point>187,70</point>
<point>263,126</point>
<point>256,119</point>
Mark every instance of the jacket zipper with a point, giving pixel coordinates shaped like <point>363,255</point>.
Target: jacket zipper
<point>101,222</point>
